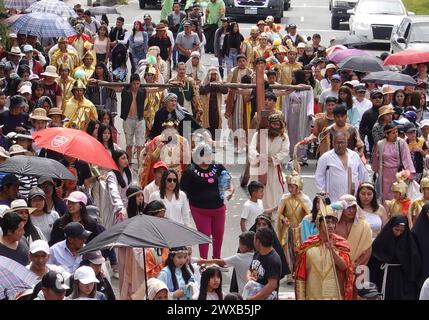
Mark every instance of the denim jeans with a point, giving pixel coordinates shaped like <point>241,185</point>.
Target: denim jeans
<point>231,60</point>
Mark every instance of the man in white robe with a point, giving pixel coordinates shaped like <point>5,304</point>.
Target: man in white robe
<point>340,171</point>
<point>266,157</point>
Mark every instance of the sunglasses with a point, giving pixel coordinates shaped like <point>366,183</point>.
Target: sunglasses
<point>170,180</point>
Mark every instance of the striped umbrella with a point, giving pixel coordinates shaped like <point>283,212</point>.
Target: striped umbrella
<point>18,4</point>
<point>52,6</point>
<point>43,25</point>
<point>14,278</point>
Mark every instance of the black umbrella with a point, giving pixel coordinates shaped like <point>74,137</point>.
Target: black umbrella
<point>143,231</point>
<point>35,166</point>
<point>362,64</point>
<point>390,77</point>
<point>352,40</point>
<point>103,10</point>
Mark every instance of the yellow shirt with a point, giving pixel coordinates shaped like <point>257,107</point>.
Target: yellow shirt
<point>79,113</point>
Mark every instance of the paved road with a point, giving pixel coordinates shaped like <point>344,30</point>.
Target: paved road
<point>310,16</point>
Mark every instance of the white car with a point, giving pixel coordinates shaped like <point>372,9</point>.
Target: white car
<point>375,19</point>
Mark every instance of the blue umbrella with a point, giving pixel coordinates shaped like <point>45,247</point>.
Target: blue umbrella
<point>14,278</point>
<point>43,25</point>
<point>52,6</point>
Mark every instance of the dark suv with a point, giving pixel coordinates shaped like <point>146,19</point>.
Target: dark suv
<point>256,9</point>
<point>156,3</point>
<point>339,11</point>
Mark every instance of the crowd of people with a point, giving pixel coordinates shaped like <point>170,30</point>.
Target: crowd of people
<point>364,235</point>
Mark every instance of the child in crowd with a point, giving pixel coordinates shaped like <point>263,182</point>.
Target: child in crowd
<point>240,261</point>
<point>211,284</point>
<point>176,274</point>
<point>84,285</point>
<point>105,117</point>
<point>253,207</point>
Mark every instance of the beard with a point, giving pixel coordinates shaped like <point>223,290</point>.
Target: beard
<point>272,133</point>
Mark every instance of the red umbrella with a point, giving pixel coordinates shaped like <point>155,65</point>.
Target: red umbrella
<point>75,143</point>
<point>407,57</point>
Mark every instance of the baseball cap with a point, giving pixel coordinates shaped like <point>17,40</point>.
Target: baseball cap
<point>269,19</point>
<point>409,127</point>
<point>375,92</point>
<point>349,200</point>
<point>187,23</point>
<point>336,77</point>
<point>331,99</point>
<point>55,281</point>
<point>39,245</point>
<point>85,275</point>
<point>77,196</point>
<point>94,257</point>
<point>360,88</point>
<point>261,22</point>
<point>147,16</point>
<point>24,89</point>
<point>224,19</point>
<point>76,230</point>
<point>27,48</point>
<point>301,45</point>
<point>10,180</point>
<point>36,191</point>
<point>424,123</point>
<point>160,164</point>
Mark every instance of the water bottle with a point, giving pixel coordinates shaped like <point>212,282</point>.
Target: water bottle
<point>224,183</point>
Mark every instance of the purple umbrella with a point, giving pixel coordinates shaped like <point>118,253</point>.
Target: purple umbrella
<point>340,55</point>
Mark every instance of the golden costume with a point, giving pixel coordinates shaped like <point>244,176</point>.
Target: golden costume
<point>68,58</point>
<point>286,72</point>
<point>66,88</point>
<point>418,204</point>
<point>79,112</point>
<point>187,94</point>
<point>402,206</point>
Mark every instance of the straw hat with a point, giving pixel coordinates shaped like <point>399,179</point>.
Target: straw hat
<point>387,89</point>
<point>329,66</point>
<point>4,153</point>
<point>385,110</point>
<point>16,51</point>
<point>39,114</point>
<point>16,149</point>
<point>50,71</point>
<point>56,111</point>
<point>20,204</point>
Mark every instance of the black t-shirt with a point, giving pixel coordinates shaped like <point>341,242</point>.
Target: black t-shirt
<point>162,43</point>
<point>10,122</point>
<point>267,266</point>
<point>201,186</point>
<point>20,254</point>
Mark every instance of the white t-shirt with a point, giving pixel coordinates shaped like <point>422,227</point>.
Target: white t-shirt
<point>176,209</point>
<point>45,223</point>
<point>241,262</point>
<point>148,190</point>
<point>250,211</point>
<point>424,293</point>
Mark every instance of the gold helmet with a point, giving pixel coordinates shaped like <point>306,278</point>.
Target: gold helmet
<point>328,212</point>
<point>275,116</point>
<point>295,178</point>
<point>279,49</point>
<point>78,84</point>
<point>150,70</point>
<point>400,185</point>
<point>424,183</point>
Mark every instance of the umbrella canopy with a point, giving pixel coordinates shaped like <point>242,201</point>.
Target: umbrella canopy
<point>352,40</point>
<point>75,143</point>
<point>14,278</point>
<point>340,55</point>
<point>407,57</point>
<point>52,6</point>
<point>103,10</point>
<point>143,231</point>
<point>390,77</point>
<point>335,48</point>
<point>362,64</point>
<point>43,25</point>
<point>13,18</point>
<point>35,166</point>
<point>18,4</point>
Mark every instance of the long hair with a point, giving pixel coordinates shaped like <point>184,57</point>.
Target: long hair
<point>132,208</point>
<point>36,85</point>
<point>207,274</point>
<point>116,154</point>
<point>394,103</point>
<point>170,264</point>
<point>314,210</point>
<point>101,115</point>
<point>154,207</point>
<point>85,218</point>
<point>100,132</point>
<point>163,184</point>
<point>30,230</point>
<point>349,100</point>
<point>106,74</point>
<point>140,27</point>
<point>75,292</point>
<point>415,100</point>
<point>299,77</point>
<point>374,204</point>
<point>91,126</point>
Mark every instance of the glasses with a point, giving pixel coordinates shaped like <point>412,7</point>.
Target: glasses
<point>170,180</point>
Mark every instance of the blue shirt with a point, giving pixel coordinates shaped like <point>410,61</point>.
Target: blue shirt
<point>61,255</point>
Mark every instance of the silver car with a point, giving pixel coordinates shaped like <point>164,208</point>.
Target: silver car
<point>412,33</point>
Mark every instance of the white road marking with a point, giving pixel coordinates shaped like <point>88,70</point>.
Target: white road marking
<point>302,19</point>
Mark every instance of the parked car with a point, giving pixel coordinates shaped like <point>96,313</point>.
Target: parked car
<point>375,19</point>
<point>156,3</point>
<point>339,11</point>
<point>256,9</point>
<point>412,33</point>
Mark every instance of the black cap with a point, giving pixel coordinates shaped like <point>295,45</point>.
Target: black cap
<point>292,25</point>
<point>17,101</point>
<point>389,126</point>
<point>76,230</point>
<point>360,88</point>
<point>409,127</point>
<point>375,92</point>
<point>331,99</point>
<point>55,281</point>
<point>36,191</point>
<point>224,19</point>
<point>10,180</point>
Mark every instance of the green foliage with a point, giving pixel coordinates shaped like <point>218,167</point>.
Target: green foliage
<point>417,6</point>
